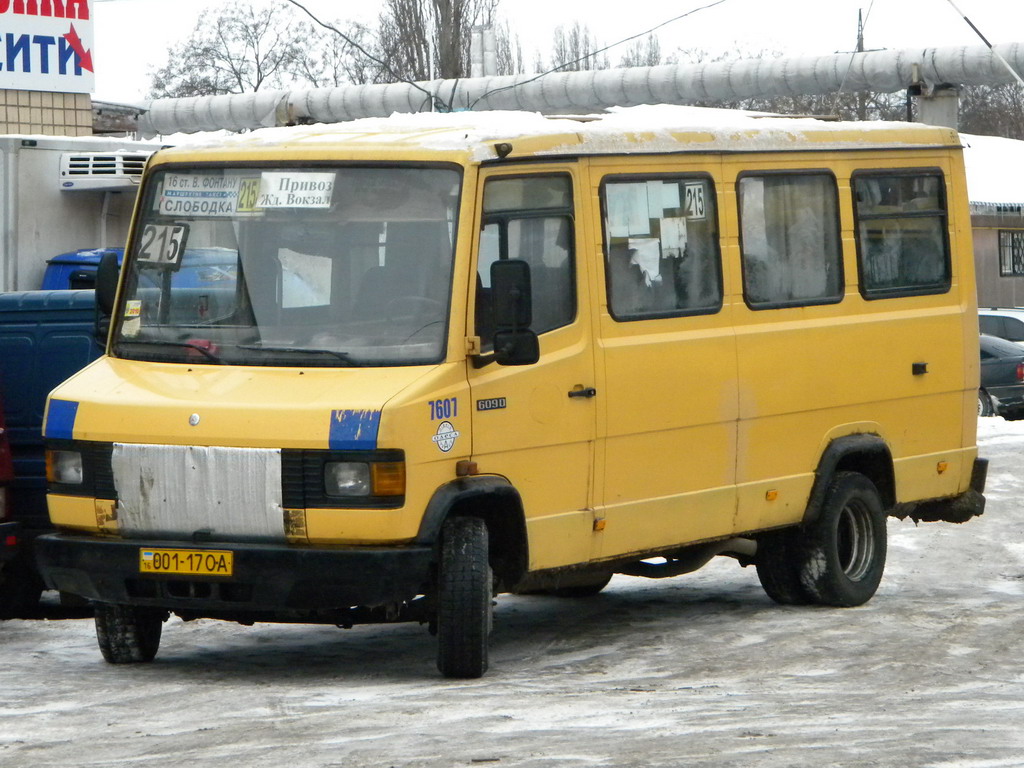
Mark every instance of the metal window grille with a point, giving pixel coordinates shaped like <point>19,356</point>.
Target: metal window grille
<point>1011,252</point>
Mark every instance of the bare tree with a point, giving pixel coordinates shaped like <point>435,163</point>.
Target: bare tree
<point>576,50</point>
<point>993,110</point>
<point>453,21</point>
<point>231,50</point>
<point>330,60</point>
<point>243,47</point>
<point>402,40</point>
<point>408,27</point>
<point>509,51</point>
<point>642,53</point>
<point>538,62</point>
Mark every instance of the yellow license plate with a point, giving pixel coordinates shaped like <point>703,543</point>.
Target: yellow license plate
<point>189,562</point>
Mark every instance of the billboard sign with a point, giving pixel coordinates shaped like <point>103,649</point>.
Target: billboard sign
<point>46,45</point>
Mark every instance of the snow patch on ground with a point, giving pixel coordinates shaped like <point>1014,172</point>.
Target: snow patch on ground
<point>698,671</point>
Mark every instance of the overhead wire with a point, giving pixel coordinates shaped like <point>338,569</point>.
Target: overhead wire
<point>450,103</point>
<point>430,98</point>
<point>592,54</point>
<point>435,100</point>
<point>984,39</point>
<point>853,55</point>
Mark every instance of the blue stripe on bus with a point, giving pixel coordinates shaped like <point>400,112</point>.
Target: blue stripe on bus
<point>60,419</point>
<point>354,430</point>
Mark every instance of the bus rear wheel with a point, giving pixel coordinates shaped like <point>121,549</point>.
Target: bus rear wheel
<point>844,549</point>
<point>837,559</point>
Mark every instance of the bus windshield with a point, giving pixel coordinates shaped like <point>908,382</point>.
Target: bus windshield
<point>291,266</point>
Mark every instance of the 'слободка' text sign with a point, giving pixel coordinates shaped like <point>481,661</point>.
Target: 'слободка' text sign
<point>205,195</point>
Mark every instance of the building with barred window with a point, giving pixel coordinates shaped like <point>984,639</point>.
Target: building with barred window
<point>995,185</point>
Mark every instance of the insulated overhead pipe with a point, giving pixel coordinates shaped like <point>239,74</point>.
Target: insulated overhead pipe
<point>591,91</point>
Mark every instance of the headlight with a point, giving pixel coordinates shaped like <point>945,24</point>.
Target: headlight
<point>346,478</point>
<point>354,478</point>
<point>64,467</point>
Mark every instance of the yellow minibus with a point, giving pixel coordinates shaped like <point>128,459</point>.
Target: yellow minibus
<point>420,361</point>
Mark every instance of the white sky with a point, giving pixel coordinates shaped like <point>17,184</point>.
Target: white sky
<point>132,36</point>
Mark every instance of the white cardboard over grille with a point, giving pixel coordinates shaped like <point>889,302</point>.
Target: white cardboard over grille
<point>197,493</point>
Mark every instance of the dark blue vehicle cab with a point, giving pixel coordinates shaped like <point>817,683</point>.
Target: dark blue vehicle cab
<point>9,529</point>
<point>200,268</point>
<point>77,269</point>
<point>45,337</point>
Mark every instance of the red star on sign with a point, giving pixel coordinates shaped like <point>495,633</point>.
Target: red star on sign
<point>84,56</point>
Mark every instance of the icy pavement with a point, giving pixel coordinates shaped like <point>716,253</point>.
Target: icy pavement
<point>701,670</point>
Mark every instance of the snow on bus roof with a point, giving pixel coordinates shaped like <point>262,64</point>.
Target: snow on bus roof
<point>648,128</point>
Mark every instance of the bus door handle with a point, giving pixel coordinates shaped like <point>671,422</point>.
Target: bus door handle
<point>583,392</point>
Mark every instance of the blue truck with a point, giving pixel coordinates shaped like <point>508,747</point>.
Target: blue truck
<point>45,337</point>
<point>10,529</point>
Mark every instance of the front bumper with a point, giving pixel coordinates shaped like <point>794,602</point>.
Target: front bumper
<point>270,581</point>
<point>10,536</point>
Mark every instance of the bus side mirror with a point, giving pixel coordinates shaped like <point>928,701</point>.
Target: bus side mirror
<point>516,347</point>
<point>107,274</point>
<point>514,342</point>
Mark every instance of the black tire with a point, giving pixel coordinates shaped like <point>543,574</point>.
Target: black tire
<point>128,634</point>
<point>843,551</point>
<point>583,590</point>
<point>984,404</point>
<point>778,566</point>
<point>464,594</point>
<point>20,590</point>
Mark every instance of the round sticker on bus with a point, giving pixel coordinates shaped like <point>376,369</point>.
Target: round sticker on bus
<point>445,437</point>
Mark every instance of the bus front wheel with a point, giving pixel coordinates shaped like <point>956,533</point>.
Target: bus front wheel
<point>464,599</point>
<point>128,634</point>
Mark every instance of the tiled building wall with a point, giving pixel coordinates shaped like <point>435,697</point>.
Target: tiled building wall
<point>49,114</point>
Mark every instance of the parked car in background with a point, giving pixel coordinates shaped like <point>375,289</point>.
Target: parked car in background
<point>1006,323</point>
<point>1002,379</point>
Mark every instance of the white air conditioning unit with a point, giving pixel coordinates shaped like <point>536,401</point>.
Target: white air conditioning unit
<point>102,171</point>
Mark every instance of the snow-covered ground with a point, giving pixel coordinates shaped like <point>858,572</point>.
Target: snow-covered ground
<point>701,670</point>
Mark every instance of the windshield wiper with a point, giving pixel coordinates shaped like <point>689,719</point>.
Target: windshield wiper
<point>344,357</point>
<point>180,344</point>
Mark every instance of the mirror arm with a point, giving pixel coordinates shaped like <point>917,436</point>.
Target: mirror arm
<point>482,360</point>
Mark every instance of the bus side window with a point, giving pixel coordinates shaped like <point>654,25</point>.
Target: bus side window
<point>902,245</point>
<point>789,237</point>
<point>661,247</point>
<point>529,218</point>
